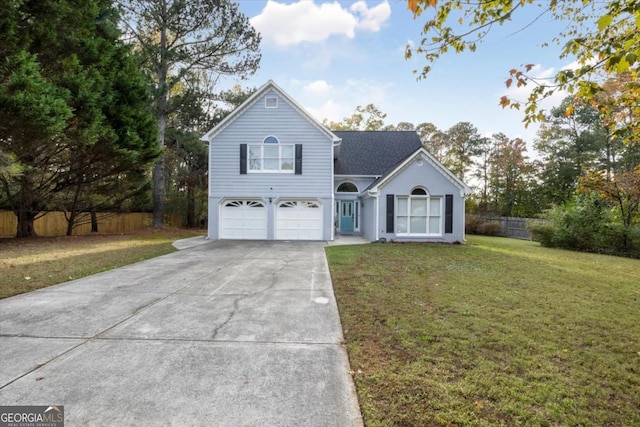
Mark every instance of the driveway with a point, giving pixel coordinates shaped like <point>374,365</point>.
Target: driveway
<point>221,334</point>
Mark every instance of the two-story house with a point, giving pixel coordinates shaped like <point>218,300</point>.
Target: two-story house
<point>276,173</point>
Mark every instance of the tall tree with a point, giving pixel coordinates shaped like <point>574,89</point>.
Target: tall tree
<point>508,176</point>
<point>364,118</point>
<point>73,104</point>
<point>178,38</point>
<point>610,47</point>
<point>434,140</point>
<point>463,142</point>
<point>569,145</point>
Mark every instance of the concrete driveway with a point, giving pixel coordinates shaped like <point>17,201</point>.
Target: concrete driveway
<point>222,334</point>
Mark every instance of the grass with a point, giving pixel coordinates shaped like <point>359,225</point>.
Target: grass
<point>497,332</point>
<point>30,264</point>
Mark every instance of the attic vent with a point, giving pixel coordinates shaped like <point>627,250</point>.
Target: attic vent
<point>271,102</point>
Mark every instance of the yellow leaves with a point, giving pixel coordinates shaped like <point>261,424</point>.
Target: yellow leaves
<point>415,5</point>
<point>604,22</point>
<point>569,111</point>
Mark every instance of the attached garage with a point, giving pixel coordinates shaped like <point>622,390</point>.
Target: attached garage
<point>243,219</point>
<point>298,220</point>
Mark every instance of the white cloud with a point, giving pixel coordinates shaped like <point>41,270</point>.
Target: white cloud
<point>340,100</point>
<point>317,87</point>
<point>305,21</point>
<point>371,19</point>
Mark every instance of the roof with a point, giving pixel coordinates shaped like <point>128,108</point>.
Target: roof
<point>253,99</point>
<point>423,154</point>
<point>374,153</point>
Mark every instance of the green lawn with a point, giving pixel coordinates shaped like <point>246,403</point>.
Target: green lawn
<point>29,264</point>
<point>494,332</point>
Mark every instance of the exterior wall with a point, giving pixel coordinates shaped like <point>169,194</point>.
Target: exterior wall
<point>368,229</point>
<point>436,184</point>
<point>361,183</point>
<point>290,127</point>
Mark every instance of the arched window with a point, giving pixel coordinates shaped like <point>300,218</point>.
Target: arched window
<point>271,156</point>
<point>347,187</point>
<point>419,214</point>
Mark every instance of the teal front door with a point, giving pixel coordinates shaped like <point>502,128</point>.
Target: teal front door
<point>347,213</point>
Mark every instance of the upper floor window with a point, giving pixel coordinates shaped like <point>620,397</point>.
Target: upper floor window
<point>347,187</point>
<point>271,156</point>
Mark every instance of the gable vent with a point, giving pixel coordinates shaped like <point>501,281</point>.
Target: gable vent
<point>271,102</point>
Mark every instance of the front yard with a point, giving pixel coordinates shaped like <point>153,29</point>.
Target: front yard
<point>494,332</point>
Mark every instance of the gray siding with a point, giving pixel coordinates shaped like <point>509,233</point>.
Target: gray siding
<point>290,127</point>
<point>437,185</point>
<point>368,218</point>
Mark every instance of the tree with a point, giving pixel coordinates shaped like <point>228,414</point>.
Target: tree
<point>73,104</point>
<point>181,40</point>
<point>463,142</point>
<point>405,126</point>
<point>569,144</point>
<point>364,118</point>
<point>609,48</point>
<point>481,173</point>
<point>623,192</point>
<point>508,174</point>
<point>434,140</point>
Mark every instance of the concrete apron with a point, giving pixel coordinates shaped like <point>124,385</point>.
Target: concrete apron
<point>222,334</point>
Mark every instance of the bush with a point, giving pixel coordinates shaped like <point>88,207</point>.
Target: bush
<point>586,223</point>
<point>479,226</point>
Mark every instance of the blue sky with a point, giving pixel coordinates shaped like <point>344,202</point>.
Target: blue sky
<point>332,56</point>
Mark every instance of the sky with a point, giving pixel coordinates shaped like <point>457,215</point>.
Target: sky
<point>332,56</point>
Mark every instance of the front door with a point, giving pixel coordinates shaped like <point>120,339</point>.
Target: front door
<point>347,212</point>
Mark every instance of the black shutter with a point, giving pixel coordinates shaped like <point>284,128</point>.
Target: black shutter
<point>243,159</point>
<point>298,159</point>
<point>391,199</point>
<point>448,213</point>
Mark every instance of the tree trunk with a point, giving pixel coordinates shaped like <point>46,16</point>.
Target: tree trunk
<point>25,212</point>
<point>94,220</point>
<point>158,193</point>
<point>191,207</point>
<point>74,211</point>
<point>161,105</point>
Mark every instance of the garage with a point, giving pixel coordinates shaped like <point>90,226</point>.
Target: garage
<point>243,219</point>
<point>298,220</point>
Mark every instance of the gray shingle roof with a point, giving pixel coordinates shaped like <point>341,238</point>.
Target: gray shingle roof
<point>373,152</point>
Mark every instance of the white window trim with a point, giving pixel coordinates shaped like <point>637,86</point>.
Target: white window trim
<point>267,99</point>
<point>423,197</point>
<point>279,170</point>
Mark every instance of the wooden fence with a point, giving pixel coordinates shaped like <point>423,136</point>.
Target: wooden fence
<point>517,228</point>
<point>55,223</point>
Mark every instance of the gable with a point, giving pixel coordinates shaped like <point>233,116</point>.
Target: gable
<point>263,99</point>
<point>421,158</point>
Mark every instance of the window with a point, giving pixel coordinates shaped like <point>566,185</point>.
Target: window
<point>419,213</point>
<point>271,156</point>
<point>271,102</point>
<point>347,187</point>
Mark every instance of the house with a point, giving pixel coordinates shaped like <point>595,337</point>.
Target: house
<point>276,173</point>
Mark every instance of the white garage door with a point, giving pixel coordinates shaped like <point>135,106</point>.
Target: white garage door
<point>298,220</point>
<point>243,219</point>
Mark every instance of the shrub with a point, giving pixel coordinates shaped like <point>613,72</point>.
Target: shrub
<point>586,223</point>
<point>479,226</point>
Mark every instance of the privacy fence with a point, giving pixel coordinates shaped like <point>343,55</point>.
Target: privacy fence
<point>517,228</point>
<point>55,223</point>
